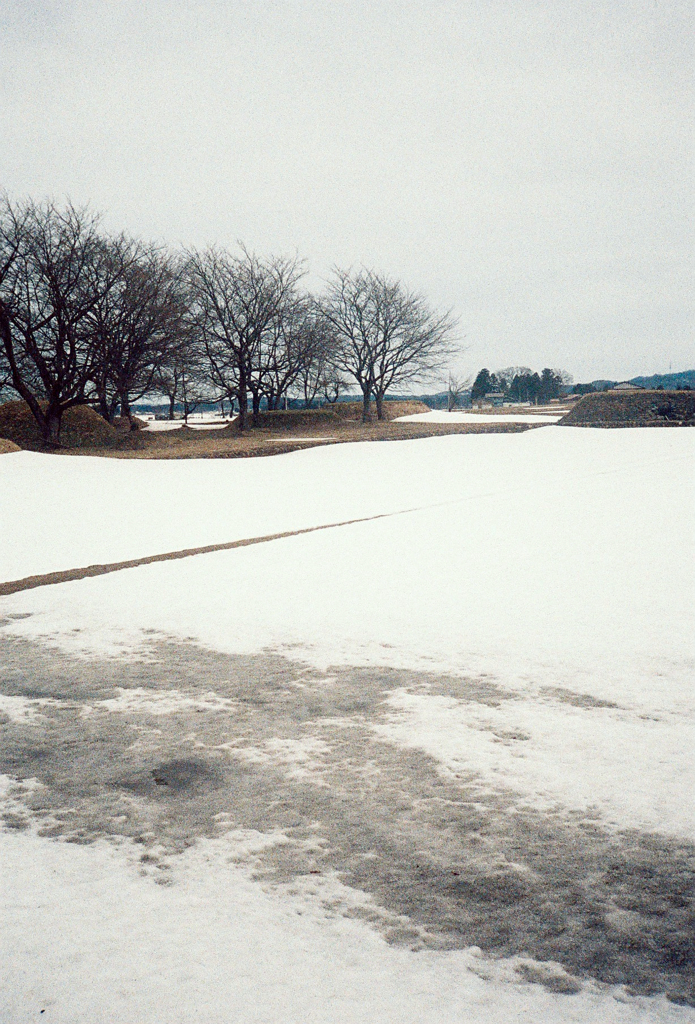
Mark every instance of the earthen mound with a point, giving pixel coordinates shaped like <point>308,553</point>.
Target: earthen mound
<point>633,409</point>
<point>81,427</point>
<point>392,410</point>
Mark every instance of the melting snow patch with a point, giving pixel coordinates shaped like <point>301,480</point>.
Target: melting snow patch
<point>163,702</point>
<point>630,768</point>
<point>299,757</point>
<point>22,710</point>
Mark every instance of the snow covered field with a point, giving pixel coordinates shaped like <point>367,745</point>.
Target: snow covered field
<point>441,416</point>
<point>196,421</point>
<point>492,681</point>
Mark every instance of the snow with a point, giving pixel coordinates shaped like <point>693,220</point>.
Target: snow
<point>194,421</point>
<point>440,416</point>
<point>554,565</point>
<point>86,510</point>
<point>102,943</point>
<point>564,564</point>
<point>559,755</point>
<point>157,425</point>
<point>162,703</point>
<point>23,709</point>
<point>299,756</point>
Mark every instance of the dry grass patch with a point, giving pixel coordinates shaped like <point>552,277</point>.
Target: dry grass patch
<point>8,446</point>
<point>123,423</point>
<point>295,419</point>
<point>86,433</point>
<point>81,428</point>
<point>392,410</point>
<point>227,443</point>
<point>633,409</point>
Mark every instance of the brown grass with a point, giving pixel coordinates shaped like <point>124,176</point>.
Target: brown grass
<point>86,433</point>
<point>633,409</point>
<point>123,423</point>
<point>392,410</point>
<point>293,419</point>
<point>81,427</point>
<point>227,444</point>
<point>8,446</point>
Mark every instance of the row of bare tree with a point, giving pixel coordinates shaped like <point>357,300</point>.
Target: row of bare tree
<point>92,317</point>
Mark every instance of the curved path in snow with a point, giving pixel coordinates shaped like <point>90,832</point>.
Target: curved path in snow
<point>68,575</point>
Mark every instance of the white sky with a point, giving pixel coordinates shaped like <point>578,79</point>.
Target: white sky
<point>528,163</point>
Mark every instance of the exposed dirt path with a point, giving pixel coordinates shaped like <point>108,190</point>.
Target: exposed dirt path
<point>68,575</point>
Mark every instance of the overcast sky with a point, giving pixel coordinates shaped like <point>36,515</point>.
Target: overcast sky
<point>527,163</point>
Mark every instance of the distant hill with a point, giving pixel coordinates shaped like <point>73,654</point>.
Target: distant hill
<point>666,380</point>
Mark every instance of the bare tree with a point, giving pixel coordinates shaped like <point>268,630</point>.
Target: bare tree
<point>414,341</point>
<point>505,377</point>
<point>387,335</point>
<point>5,373</point>
<point>183,376</point>
<point>347,307</point>
<point>283,352</point>
<point>4,376</point>
<point>317,350</point>
<point>57,268</point>
<point>333,384</point>
<point>237,302</point>
<point>136,324</point>
<point>456,389</point>
<point>12,226</point>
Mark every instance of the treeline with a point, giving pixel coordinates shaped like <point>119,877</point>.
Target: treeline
<point>92,317</point>
<point>521,384</point>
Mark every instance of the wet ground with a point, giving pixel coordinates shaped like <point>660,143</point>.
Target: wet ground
<point>184,743</point>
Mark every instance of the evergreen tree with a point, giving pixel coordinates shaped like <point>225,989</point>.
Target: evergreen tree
<point>550,385</point>
<point>483,384</point>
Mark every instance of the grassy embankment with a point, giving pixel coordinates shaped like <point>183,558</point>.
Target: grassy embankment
<point>84,432</point>
<point>633,409</point>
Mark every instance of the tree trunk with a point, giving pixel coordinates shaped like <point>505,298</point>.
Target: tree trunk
<point>379,398</point>
<point>366,406</point>
<point>17,382</point>
<point>256,406</point>
<point>51,429</point>
<point>103,406</point>
<point>242,399</point>
<point>172,403</point>
<point>126,411</point>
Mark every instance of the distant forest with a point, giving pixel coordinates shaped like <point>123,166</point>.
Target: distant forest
<point>667,381</point>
